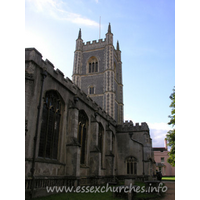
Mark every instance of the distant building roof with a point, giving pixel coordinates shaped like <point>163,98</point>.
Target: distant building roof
<point>160,164</point>
<point>159,149</point>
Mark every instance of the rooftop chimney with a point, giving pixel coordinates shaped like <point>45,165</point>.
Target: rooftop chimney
<point>166,144</point>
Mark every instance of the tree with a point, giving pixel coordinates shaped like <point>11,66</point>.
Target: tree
<point>171,133</point>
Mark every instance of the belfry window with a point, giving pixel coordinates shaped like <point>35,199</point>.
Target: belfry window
<point>92,65</point>
<point>96,67</point>
<point>49,133</point>
<point>131,165</point>
<point>90,70</point>
<point>82,133</point>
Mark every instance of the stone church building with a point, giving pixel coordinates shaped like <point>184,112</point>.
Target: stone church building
<point>75,132</point>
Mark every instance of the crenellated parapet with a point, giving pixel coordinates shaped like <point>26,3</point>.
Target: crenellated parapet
<point>129,126</point>
<point>34,56</point>
<point>94,44</point>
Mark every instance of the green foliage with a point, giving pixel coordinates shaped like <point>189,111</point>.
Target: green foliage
<point>172,105</point>
<point>171,133</point>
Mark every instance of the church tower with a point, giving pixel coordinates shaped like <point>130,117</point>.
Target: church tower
<point>97,71</point>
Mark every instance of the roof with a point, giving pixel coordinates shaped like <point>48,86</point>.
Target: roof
<point>160,164</point>
<point>159,149</point>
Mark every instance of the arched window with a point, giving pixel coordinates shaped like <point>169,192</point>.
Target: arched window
<point>100,141</point>
<point>92,65</point>
<point>131,165</point>
<point>49,133</point>
<point>96,69</point>
<point>82,133</point>
<point>90,69</point>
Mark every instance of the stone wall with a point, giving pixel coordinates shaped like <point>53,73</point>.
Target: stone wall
<point>73,100</point>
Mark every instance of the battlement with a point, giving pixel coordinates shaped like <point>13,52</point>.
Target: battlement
<point>33,55</point>
<point>129,126</point>
<point>94,44</point>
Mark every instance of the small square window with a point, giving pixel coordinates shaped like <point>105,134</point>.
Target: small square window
<point>91,90</point>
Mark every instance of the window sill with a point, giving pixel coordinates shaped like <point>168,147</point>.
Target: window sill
<point>84,166</point>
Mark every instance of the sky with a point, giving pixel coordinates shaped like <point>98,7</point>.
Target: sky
<point>145,30</point>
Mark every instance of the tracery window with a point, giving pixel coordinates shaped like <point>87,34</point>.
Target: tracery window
<point>131,165</point>
<point>82,133</point>
<point>93,65</point>
<point>90,69</point>
<point>49,133</point>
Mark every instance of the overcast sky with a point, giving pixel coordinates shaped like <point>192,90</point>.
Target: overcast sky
<point>145,30</point>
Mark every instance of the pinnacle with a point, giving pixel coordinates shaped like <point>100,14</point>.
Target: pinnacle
<point>109,28</point>
<point>79,34</point>
<point>117,45</point>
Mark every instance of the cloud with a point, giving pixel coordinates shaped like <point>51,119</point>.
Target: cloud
<point>158,137</point>
<point>59,11</point>
<point>158,133</point>
<point>160,126</point>
<point>78,19</point>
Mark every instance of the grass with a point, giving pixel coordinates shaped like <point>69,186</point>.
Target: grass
<point>143,195</point>
<point>92,196</point>
<point>168,178</point>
